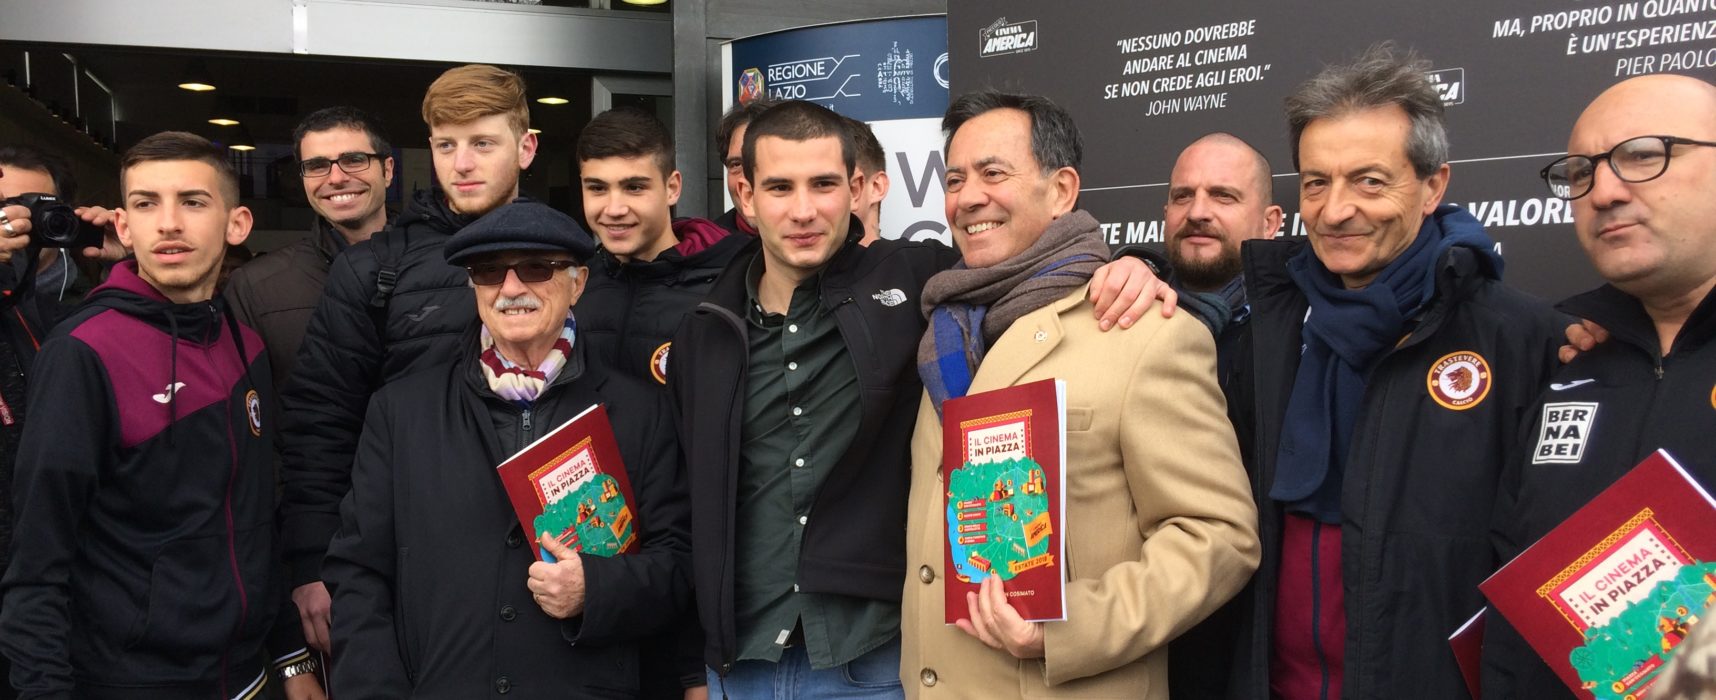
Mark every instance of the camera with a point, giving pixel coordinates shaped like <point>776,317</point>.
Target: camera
<point>55,224</point>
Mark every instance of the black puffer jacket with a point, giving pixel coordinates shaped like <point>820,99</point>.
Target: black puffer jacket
<point>629,310</point>
<point>353,346</point>
<point>1420,477</point>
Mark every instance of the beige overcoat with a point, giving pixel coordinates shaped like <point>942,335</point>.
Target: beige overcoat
<point>1160,530</point>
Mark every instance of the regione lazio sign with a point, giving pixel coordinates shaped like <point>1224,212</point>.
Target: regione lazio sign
<point>891,73</point>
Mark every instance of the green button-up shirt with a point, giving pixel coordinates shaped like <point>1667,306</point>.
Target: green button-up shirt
<point>801,414</point>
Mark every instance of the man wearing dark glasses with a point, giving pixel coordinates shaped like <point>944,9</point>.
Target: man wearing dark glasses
<point>1640,171</point>
<point>346,165</point>
<point>470,611</point>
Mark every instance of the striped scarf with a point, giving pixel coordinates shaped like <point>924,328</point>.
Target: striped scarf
<point>968,309</point>
<point>521,385</point>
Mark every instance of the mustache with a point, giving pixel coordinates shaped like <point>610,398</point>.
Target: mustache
<point>1191,227</point>
<point>524,301</point>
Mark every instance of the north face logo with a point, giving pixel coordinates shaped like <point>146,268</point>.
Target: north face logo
<point>890,297</point>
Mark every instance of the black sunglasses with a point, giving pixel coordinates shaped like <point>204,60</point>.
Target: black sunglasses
<point>489,274</point>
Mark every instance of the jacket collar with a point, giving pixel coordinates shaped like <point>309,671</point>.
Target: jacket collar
<point>730,292</point>
<point>330,242</point>
<point>1626,319</point>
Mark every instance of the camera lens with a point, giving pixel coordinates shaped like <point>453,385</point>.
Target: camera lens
<point>59,225</point>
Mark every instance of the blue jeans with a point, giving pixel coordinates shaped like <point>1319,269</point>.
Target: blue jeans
<point>875,675</point>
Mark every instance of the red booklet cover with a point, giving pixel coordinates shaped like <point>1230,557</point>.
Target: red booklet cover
<point>572,483</point>
<point>1002,453</point>
<point>1468,645</point>
<point>1608,594</point>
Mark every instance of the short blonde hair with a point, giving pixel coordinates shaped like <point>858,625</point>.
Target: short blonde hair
<point>467,93</point>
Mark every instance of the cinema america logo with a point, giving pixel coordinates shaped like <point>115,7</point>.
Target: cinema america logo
<point>1002,37</point>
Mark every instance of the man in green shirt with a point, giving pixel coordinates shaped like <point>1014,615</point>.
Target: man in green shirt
<point>796,392</point>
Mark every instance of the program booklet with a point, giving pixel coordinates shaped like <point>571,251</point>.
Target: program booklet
<point>1003,485</point>
<point>572,483</point>
<point>1607,596</point>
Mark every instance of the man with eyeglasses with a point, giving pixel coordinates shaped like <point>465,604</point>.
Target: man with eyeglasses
<point>729,142</point>
<point>1641,172</point>
<point>346,165</point>
<point>437,591</point>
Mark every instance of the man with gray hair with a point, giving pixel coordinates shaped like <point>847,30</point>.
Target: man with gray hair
<point>1390,368</point>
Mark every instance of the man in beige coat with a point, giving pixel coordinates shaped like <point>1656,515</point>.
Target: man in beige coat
<point>1160,526</point>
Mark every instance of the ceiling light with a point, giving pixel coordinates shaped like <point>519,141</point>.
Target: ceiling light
<point>534,131</point>
<point>223,121</point>
<point>241,140</point>
<point>196,78</point>
<point>552,100</point>
<point>644,2</point>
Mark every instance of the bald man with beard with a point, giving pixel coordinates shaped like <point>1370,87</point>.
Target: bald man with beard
<point>1639,174</point>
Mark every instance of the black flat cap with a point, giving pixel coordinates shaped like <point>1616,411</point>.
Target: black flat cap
<point>521,225</point>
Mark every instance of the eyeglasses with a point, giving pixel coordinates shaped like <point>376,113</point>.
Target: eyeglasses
<point>351,163</point>
<point>1639,159</point>
<point>534,270</point>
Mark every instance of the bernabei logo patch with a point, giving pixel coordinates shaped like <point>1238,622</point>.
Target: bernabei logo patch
<point>1002,37</point>
<point>1566,429</point>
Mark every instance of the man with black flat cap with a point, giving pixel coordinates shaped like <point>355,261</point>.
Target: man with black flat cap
<point>436,590</point>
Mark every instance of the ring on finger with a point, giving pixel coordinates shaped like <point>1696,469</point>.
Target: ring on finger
<point>7,227</point>
<point>4,218</point>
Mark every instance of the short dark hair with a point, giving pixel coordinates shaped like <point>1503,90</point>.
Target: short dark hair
<point>626,132</point>
<point>734,119</point>
<point>1380,77</point>
<point>24,157</point>
<point>871,157</point>
<point>181,145</point>
<point>1055,141</point>
<point>797,120</point>
<point>342,116</point>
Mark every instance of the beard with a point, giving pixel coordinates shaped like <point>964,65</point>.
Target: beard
<point>1202,274</point>
<point>497,192</point>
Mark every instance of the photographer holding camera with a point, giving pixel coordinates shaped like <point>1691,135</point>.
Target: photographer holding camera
<point>34,219</point>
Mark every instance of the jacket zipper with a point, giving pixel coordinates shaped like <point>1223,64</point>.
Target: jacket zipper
<point>226,505</point>
<point>524,430</point>
<point>1317,608</point>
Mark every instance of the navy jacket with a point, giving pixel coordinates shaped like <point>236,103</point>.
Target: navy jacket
<point>1420,478</point>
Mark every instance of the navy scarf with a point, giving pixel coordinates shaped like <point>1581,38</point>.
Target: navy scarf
<point>1346,332</point>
